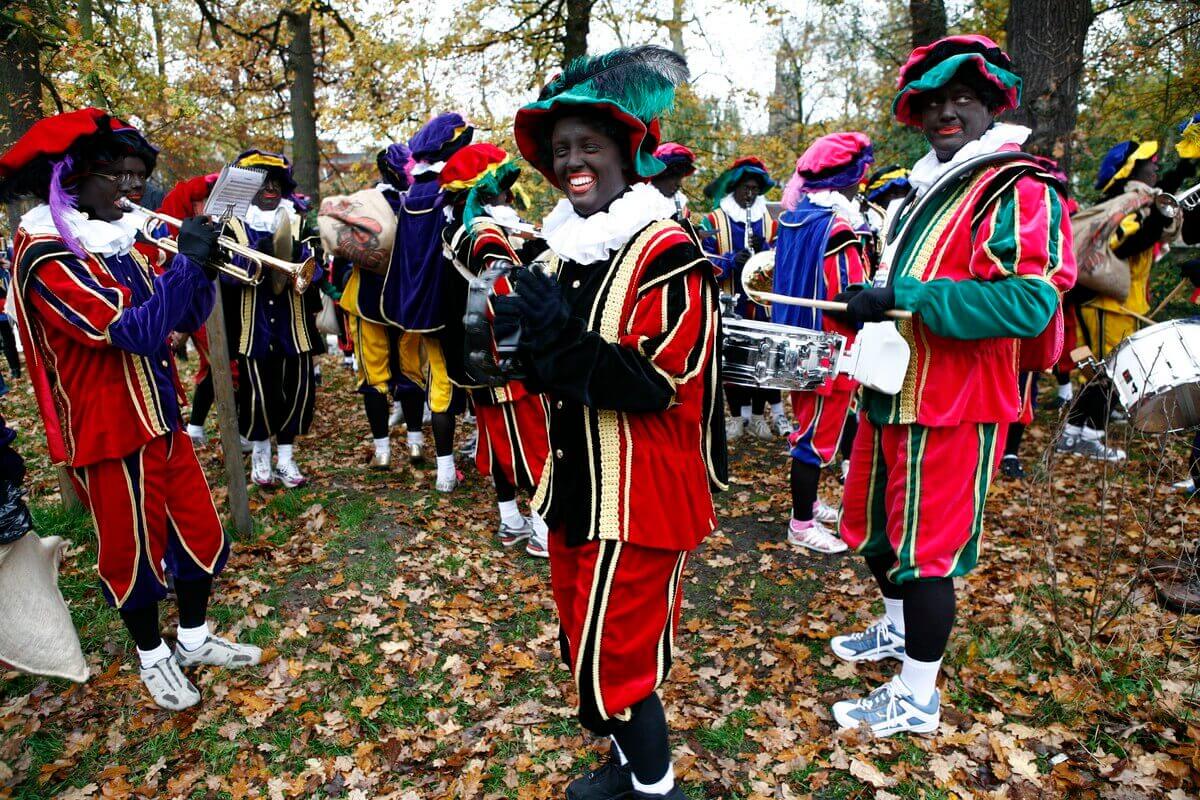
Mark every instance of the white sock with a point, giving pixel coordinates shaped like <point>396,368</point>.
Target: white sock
<point>285,454</point>
<point>383,446</point>
<point>416,437</point>
<point>921,678</point>
<point>510,514</point>
<point>195,431</point>
<point>395,406</point>
<point>745,412</point>
<point>540,529</point>
<point>151,657</point>
<point>620,753</point>
<point>1073,430</point>
<point>777,409</point>
<point>1066,391</point>
<point>262,449</point>
<point>445,466</point>
<point>191,638</point>
<point>895,612</point>
<point>661,786</point>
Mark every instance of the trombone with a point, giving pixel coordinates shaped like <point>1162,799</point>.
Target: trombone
<point>300,275</point>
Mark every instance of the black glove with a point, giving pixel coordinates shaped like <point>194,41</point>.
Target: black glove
<point>1191,271</point>
<point>741,258</point>
<point>757,242</point>
<point>506,319</point>
<point>864,304</point>
<point>544,311</point>
<point>197,240</point>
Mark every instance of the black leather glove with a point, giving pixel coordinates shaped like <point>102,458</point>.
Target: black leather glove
<point>864,304</point>
<point>757,242</point>
<point>1191,271</point>
<point>544,311</point>
<point>506,319</point>
<point>197,239</point>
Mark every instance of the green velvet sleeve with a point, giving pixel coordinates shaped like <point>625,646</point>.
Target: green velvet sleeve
<point>1013,307</point>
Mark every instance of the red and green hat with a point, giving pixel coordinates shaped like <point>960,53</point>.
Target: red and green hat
<point>740,168</point>
<point>632,85</point>
<point>934,65</point>
<point>484,171</point>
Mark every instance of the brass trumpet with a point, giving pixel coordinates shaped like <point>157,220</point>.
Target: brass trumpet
<point>1174,205</point>
<point>300,275</point>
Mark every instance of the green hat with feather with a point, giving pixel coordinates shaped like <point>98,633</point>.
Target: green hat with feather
<point>632,85</point>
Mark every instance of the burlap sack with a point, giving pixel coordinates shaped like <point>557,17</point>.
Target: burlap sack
<point>360,227</point>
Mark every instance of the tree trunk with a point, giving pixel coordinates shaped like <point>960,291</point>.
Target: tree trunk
<point>575,35</point>
<point>676,26</point>
<point>1045,40</point>
<point>21,88</point>
<point>303,105</point>
<point>160,48</point>
<point>88,32</point>
<point>928,21</point>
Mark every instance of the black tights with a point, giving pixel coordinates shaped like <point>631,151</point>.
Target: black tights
<point>192,599</point>
<point>805,479</point>
<point>202,400</point>
<point>1092,407</point>
<point>505,491</point>
<point>643,740</point>
<point>412,403</point>
<point>443,433</point>
<point>1012,444</point>
<point>376,405</point>
<point>929,606</point>
<point>848,434</point>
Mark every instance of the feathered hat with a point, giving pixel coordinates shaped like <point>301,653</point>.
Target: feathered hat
<point>1119,162</point>
<point>275,165</point>
<point>483,171</point>
<point>834,161</point>
<point>50,158</point>
<point>885,179</point>
<point>1188,145</point>
<point>740,168</point>
<point>440,138</point>
<point>675,156</point>
<point>934,65</point>
<point>632,85</point>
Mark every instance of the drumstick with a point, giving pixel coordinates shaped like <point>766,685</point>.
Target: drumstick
<point>824,305</point>
<point>1170,296</point>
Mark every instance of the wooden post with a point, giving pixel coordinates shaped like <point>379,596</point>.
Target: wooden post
<point>231,445</point>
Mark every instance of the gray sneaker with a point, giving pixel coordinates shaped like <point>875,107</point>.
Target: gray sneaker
<point>511,534</point>
<point>1095,449</point>
<point>167,684</point>
<point>890,709</point>
<point>219,652</point>
<point>877,642</point>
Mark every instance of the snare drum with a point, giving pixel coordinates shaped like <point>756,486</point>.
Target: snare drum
<point>770,356</point>
<point>1156,373</point>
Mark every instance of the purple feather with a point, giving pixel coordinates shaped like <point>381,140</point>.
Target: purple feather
<point>61,201</point>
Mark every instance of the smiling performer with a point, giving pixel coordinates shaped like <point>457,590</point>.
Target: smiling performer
<point>739,226</point>
<point>820,255</point>
<point>94,321</point>
<point>512,422</point>
<point>621,335</point>
<point>983,269</point>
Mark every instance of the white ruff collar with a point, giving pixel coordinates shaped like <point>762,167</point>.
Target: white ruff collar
<point>268,221</point>
<point>421,167</point>
<point>839,203</point>
<point>97,236</point>
<point>586,240</point>
<point>928,169</point>
<point>738,214</point>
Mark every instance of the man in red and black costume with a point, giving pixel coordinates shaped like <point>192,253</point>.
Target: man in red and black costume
<point>94,319</point>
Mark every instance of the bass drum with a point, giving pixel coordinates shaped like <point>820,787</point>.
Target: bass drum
<point>1156,373</point>
<point>769,356</point>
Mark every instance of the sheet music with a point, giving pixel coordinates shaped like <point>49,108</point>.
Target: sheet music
<point>233,191</point>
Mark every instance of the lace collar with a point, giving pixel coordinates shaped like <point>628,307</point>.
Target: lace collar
<point>839,203</point>
<point>586,240</point>
<point>928,169</point>
<point>268,221</point>
<point>97,236</point>
<point>738,214</point>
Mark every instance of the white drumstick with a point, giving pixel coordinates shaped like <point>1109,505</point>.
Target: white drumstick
<point>824,305</point>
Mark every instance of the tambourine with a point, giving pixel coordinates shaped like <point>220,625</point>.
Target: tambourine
<point>491,360</point>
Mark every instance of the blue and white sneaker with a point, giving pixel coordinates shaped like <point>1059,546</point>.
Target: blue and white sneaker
<point>890,709</point>
<point>881,640</point>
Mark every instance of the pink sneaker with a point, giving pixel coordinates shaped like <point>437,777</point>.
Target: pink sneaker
<point>815,536</point>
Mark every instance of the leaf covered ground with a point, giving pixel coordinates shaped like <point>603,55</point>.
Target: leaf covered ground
<point>409,656</point>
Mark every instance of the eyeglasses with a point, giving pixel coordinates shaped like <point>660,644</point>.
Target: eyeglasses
<point>121,177</point>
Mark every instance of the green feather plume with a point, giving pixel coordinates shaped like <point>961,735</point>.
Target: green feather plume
<point>642,79</point>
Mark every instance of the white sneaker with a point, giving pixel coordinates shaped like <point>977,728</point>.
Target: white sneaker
<point>197,435</point>
<point>815,536</point>
<point>761,428</point>
<point>536,547</point>
<point>397,417</point>
<point>890,709</point>
<point>447,485</point>
<point>260,469</point>
<point>780,424</point>
<point>734,428</point>
<point>247,445</point>
<point>881,640</point>
<point>826,514</point>
<point>289,474</point>
<point>167,684</point>
<point>219,652</point>
<point>508,535</point>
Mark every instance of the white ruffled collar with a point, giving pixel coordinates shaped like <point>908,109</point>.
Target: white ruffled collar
<point>839,203</point>
<point>97,236</point>
<point>928,169</point>
<point>738,214</point>
<point>268,221</point>
<point>586,240</point>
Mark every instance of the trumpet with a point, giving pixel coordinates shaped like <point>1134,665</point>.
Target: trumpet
<point>1174,205</point>
<point>300,275</point>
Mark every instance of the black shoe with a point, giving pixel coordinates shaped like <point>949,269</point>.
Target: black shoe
<point>1010,467</point>
<point>675,794</point>
<point>609,782</point>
